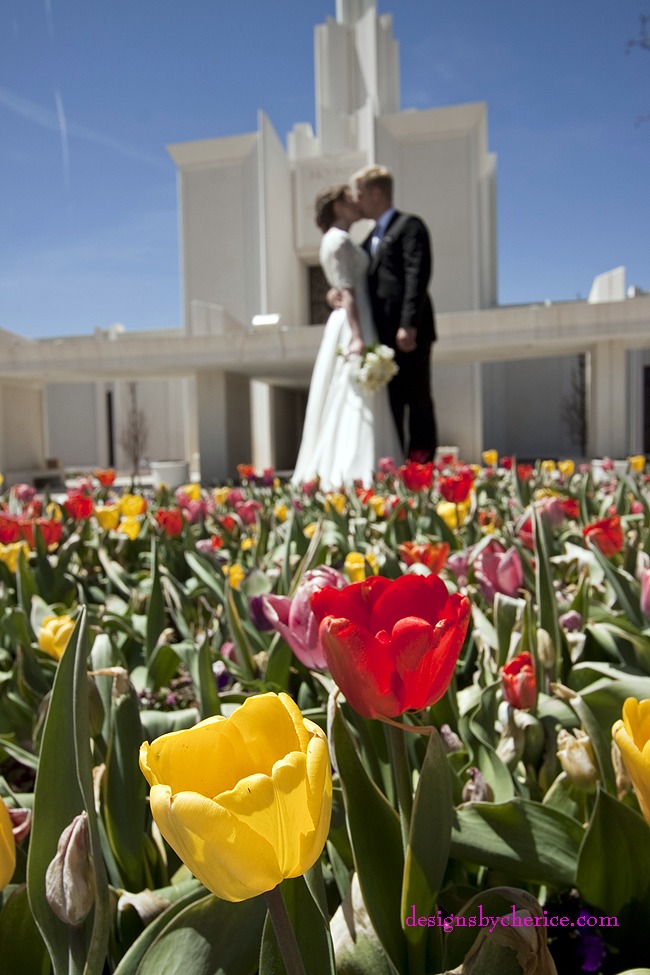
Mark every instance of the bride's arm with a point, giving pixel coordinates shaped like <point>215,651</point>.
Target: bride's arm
<point>349,302</point>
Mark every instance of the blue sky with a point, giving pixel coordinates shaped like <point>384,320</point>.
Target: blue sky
<point>91,92</point>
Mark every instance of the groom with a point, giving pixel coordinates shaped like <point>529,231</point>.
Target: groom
<point>398,278</point>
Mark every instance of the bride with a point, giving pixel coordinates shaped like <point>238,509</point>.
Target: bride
<point>346,429</point>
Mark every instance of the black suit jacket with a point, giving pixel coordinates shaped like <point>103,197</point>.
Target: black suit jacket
<point>398,279</point>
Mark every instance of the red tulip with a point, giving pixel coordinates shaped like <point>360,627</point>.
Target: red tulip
<point>391,645</point>
<point>49,529</point>
<point>105,477</point>
<point>171,521</point>
<point>518,682</point>
<point>432,554</point>
<point>456,487</point>
<point>78,506</point>
<point>606,534</point>
<point>9,529</point>
<point>416,477</point>
<point>571,508</point>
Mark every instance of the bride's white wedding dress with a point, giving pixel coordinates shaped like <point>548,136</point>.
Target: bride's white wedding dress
<point>346,431</point>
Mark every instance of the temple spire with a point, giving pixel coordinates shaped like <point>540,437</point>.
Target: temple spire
<point>350,11</point>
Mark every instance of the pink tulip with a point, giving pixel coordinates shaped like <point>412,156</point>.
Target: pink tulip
<point>247,511</point>
<point>498,571</point>
<point>294,618</point>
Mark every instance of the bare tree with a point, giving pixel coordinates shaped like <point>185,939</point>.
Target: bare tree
<point>574,406</point>
<point>134,435</point>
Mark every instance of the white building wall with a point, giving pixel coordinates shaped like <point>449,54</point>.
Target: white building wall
<point>220,228</point>
<point>525,407</point>
<point>72,422</point>
<point>281,269</point>
<point>444,173</point>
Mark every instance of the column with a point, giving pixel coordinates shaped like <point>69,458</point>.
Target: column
<point>607,401</point>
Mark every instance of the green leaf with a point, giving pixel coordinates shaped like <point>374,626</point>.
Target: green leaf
<point>520,838</point>
<point>205,570</point>
<point>124,788</point>
<point>156,609</point>
<point>606,880</point>
<point>624,587</point>
<point>204,936</point>
<point>547,611</point>
<point>243,652</point>
<point>21,946</point>
<point>26,586</point>
<point>117,576</point>
<point>64,788</point>
<point>310,926</point>
<point>426,861</point>
<point>376,841</point>
<point>507,613</point>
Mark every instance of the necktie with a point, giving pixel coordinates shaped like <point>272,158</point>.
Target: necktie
<point>376,240</point>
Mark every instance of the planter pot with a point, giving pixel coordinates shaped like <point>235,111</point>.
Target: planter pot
<point>169,473</point>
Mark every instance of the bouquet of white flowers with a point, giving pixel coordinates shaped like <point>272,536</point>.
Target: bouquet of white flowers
<point>374,368</point>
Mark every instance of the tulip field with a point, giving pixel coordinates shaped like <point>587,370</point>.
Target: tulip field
<point>266,728</point>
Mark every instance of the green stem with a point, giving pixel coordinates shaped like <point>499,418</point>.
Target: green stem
<point>76,950</point>
<point>284,932</point>
<point>402,773</point>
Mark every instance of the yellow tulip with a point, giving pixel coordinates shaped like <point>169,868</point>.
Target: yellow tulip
<point>548,466</point>
<point>637,463</point>
<point>7,847</point>
<point>130,526</point>
<point>244,801</point>
<point>221,494</point>
<point>54,634</point>
<point>378,505</point>
<point>335,501</point>
<point>193,491</point>
<point>355,565</point>
<point>132,505</point>
<point>246,544</point>
<point>235,573</point>
<point>490,458</point>
<point>9,554</point>
<point>310,529</point>
<point>632,735</point>
<point>107,515</point>
<point>566,467</point>
<point>452,514</point>
<point>281,512</point>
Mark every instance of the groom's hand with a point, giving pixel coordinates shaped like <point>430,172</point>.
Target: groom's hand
<point>406,338</point>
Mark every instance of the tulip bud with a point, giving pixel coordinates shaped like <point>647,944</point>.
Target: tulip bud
<point>518,682</point>
<point>545,649</point>
<point>477,789</point>
<point>450,740</point>
<point>577,758</point>
<point>69,886</point>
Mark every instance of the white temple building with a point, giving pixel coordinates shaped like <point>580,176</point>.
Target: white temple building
<point>230,386</point>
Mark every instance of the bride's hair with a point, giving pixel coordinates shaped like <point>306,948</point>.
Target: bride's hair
<point>324,205</point>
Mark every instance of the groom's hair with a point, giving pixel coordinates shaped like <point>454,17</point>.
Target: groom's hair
<point>324,205</point>
<point>377,176</point>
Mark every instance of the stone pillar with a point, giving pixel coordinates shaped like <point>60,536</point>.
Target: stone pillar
<point>223,413</point>
<point>607,401</point>
<point>457,394</point>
